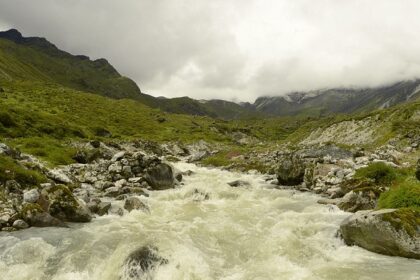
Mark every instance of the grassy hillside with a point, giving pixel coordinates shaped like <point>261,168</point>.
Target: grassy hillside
<point>42,118</point>
<point>34,61</point>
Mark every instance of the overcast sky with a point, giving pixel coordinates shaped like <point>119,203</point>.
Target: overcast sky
<point>233,49</point>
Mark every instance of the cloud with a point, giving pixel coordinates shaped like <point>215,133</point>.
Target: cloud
<point>238,49</point>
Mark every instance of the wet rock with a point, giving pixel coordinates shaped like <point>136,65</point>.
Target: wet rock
<point>103,208</point>
<point>188,173</point>
<point>20,224</point>
<point>31,196</point>
<point>116,210</point>
<point>239,183</point>
<point>112,192</point>
<point>327,201</point>
<point>393,232</point>
<point>160,177</point>
<point>92,206</point>
<point>35,216</point>
<point>134,203</point>
<point>290,170</point>
<point>142,261</point>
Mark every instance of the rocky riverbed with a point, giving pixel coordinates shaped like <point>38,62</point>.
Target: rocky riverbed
<point>127,171</point>
<point>208,228</point>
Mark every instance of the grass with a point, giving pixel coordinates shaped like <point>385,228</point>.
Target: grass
<point>378,172</point>
<point>405,194</point>
<point>11,170</point>
<point>403,188</point>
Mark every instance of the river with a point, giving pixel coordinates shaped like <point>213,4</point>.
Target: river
<point>206,230</point>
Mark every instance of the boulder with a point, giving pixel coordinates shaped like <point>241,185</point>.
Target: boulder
<point>118,156</point>
<point>103,208</point>
<point>393,232</point>
<point>134,203</point>
<point>160,177</point>
<point>80,157</point>
<point>239,183</point>
<point>356,201</point>
<point>31,196</point>
<point>290,170</point>
<point>65,206</point>
<point>35,216</point>
<point>20,224</point>
<point>141,261</point>
<point>58,176</point>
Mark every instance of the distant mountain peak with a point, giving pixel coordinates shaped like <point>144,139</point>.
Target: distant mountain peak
<point>12,34</point>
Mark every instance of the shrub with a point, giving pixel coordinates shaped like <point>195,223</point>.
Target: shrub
<point>6,120</point>
<point>379,172</point>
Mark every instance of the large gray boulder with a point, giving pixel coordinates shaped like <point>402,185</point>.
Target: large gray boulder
<point>290,170</point>
<point>160,176</point>
<point>393,232</point>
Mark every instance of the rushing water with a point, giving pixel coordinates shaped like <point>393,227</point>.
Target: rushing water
<point>254,232</point>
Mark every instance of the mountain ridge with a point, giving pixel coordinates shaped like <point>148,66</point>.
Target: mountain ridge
<point>35,58</point>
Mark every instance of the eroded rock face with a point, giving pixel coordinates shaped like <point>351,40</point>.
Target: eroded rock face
<point>393,232</point>
<point>160,177</point>
<point>290,170</point>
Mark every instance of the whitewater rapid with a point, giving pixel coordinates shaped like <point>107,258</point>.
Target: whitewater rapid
<point>206,230</point>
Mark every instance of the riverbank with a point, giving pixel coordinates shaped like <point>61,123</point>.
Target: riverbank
<point>205,229</point>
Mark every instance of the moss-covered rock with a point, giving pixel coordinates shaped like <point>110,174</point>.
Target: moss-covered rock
<point>394,232</point>
<point>65,206</point>
<point>35,216</point>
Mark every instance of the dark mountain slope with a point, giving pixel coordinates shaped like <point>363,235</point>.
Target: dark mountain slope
<point>35,58</point>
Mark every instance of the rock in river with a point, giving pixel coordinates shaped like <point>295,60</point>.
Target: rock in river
<point>393,232</point>
<point>160,177</point>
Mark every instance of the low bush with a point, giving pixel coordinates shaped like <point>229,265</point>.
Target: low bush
<point>379,172</point>
<point>404,194</point>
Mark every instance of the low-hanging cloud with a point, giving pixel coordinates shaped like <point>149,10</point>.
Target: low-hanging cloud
<point>238,49</point>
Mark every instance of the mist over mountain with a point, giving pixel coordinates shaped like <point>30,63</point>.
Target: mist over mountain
<point>36,58</point>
